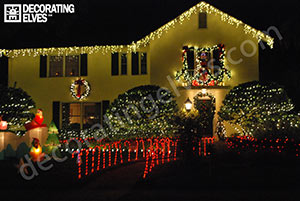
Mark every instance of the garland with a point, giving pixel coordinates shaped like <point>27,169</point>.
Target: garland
<point>204,76</point>
<point>76,93</point>
<point>198,101</point>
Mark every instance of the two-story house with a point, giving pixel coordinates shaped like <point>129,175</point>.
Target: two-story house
<point>202,50</point>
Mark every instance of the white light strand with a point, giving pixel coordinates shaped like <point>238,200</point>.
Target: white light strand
<point>134,46</point>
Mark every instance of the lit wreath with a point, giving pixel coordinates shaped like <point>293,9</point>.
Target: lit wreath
<point>76,92</point>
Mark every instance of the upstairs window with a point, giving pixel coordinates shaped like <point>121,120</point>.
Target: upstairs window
<point>72,66</point>
<point>202,20</point>
<point>56,66</point>
<point>203,66</point>
<point>60,66</point>
<point>139,63</point>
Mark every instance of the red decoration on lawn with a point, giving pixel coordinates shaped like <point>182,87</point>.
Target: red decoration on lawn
<point>37,122</point>
<point>3,124</point>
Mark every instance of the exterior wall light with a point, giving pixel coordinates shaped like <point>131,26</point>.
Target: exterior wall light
<point>188,105</point>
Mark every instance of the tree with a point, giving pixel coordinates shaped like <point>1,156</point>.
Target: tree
<point>52,141</point>
<point>255,107</point>
<point>143,111</point>
<point>15,107</point>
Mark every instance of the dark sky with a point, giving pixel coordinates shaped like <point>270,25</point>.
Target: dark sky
<point>97,22</point>
<point>121,22</point>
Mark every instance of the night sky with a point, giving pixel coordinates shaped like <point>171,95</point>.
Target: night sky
<point>121,22</point>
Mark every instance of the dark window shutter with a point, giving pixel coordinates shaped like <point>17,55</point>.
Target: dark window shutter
<point>98,112</point>
<point>135,63</point>
<point>202,20</point>
<point>4,70</point>
<point>144,63</point>
<point>115,64</point>
<point>83,65</point>
<point>216,58</point>
<point>65,115</point>
<point>43,66</point>
<point>105,106</point>
<point>191,58</point>
<point>124,64</point>
<point>55,113</point>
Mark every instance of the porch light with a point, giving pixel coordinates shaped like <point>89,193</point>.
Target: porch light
<point>188,105</point>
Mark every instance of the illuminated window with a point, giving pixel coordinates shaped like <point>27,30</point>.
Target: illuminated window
<point>72,65</point>
<point>63,66</point>
<point>82,115</point>
<point>209,59</point>
<point>75,115</point>
<point>56,66</point>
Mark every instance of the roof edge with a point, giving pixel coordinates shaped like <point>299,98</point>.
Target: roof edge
<point>134,46</point>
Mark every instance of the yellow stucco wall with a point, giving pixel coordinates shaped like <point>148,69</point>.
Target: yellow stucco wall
<point>166,53</point>
<point>104,86</point>
<point>164,59</point>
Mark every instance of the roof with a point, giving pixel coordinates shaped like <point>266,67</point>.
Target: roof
<point>135,45</point>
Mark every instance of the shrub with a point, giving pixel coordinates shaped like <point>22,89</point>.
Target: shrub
<point>144,111</point>
<point>255,107</point>
<point>15,107</point>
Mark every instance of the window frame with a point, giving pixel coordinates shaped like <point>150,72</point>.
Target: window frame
<point>64,66</point>
<point>202,16</point>
<point>82,115</point>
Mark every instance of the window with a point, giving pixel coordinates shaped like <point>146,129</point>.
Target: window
<point>202,20</point>
<point>115,64</point>
<point>143,63</point>
<point>74,115</point>
<point>135,63</point>
<point>60,66</point>
<point>209,59</point>
<point>72,66</point>
<point>82,115</point>
<point>124,64</point>
<point>56,66</point>
<point>91,114</point>
<point>139,63</point>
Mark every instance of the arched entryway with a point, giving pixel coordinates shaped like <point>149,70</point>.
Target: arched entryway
<point>205,103</point>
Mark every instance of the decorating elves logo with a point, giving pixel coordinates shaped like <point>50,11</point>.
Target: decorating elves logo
<point>34,13</point>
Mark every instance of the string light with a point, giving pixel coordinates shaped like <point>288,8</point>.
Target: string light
<point>134,46</point>
<point>203,75</point>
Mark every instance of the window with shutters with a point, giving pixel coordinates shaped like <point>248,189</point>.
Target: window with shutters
<point>139,63</point>
<point>63,66</point>
<point>83,115</point>
<point>203,66</point>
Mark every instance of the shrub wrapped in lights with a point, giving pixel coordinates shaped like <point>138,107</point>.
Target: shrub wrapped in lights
<point>254,108</point>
